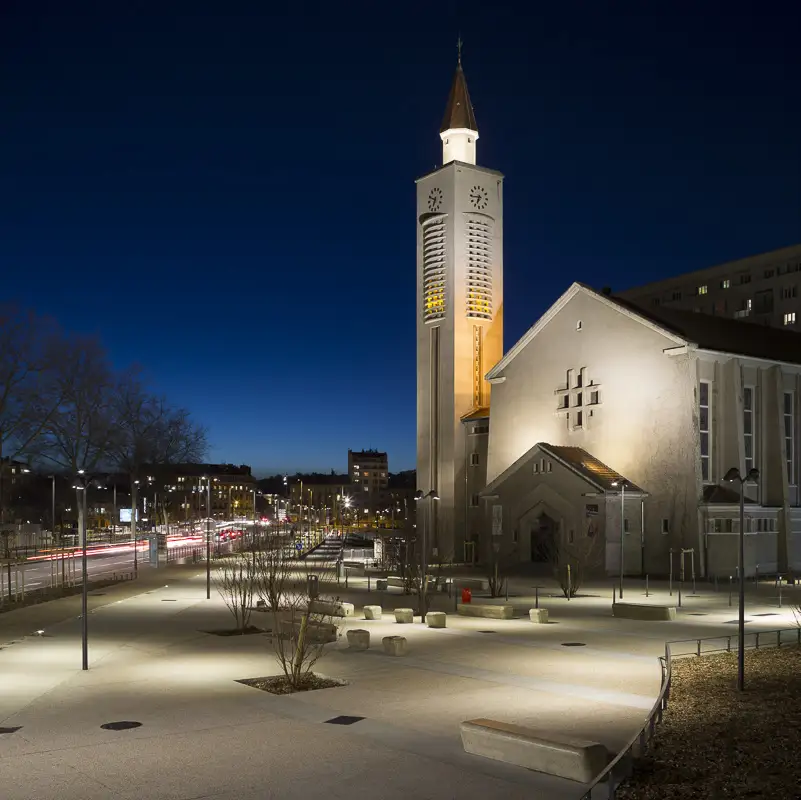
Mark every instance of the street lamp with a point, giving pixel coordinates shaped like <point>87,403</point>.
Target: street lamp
<point>622,483</point>
<point>753,476</point>
<point>208,538</point>
<point>419,496</point>
<point>82,483</point>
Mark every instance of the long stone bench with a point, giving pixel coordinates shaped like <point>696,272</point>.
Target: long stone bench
<point>575,759</point>
<point>471,583</point>
<point>331,608</point>
<point>316,632</point>
<point>643,611</point>
<point>487,611</point>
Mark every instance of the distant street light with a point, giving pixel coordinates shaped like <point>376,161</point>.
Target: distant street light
<point>622,483</point>
<point>753,476</point>
<point>420,496</point>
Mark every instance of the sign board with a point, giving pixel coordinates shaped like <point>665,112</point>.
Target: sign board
<point>125,515</point>
<point>497,520</point>
<point>298,545</point>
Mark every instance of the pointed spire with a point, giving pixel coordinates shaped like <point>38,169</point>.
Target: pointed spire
<point>459,111</point>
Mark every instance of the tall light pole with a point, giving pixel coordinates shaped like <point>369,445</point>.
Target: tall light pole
<point>419,496</point>
<point>81,488</point>
<point>134,513</point>
<point>622,483</point>
<point>208,539</point>
<point>734,475</point>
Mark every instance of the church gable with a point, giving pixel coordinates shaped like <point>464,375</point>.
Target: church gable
<point>567,302</point>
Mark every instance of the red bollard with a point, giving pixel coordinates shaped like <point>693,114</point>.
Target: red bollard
<point>467,596</point>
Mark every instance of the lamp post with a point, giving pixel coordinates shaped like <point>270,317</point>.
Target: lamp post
<point>208,538</point>
<point>734,475</point>
<point>134,513</point>
<point>81,488</point>
<point>622,484</point>
<point>419,496</point>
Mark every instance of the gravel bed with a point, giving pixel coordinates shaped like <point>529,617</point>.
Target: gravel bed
<point>279,684</point>
<point>716,742</point>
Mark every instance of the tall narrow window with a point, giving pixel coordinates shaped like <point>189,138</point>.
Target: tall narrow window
<point>479,233</point>
<point>789,437</point>
<point>703,425</point>
<point>748,427</point>
<point>434,269</point>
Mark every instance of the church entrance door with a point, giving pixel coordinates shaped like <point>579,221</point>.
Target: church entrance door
<point>543,539</point>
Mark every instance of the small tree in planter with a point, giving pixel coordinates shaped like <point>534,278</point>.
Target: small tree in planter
<point>571,562</point>
<point>236,580</point>
<point>303,621</point>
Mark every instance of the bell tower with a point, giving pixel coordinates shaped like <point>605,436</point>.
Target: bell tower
<point>459,315</point>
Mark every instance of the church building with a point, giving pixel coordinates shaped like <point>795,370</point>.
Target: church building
<point>609,425</point>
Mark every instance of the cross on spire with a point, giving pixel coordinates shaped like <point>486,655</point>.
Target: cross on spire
<point>459,44</point>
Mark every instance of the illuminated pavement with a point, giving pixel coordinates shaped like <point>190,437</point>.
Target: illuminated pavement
<point>204,735</point>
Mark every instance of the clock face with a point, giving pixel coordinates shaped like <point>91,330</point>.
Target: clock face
<point>479,197</point>
<point>434,199</point>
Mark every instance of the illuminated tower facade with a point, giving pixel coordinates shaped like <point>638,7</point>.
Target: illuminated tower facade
<point>459,316</point>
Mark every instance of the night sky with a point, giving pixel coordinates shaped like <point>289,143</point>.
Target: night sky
<point>224,192</point>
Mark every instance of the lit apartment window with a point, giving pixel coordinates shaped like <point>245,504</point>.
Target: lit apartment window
<point>703,289</point>
<point>789,438</point>
<point>725,283</point>
<point>789,318</point>
<point>703,425</point>
<point>748,427</point>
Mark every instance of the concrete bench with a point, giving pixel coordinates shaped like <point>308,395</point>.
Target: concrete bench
<point>643,611</point>
<point>436,619</point>
<point>358,639</point>
<point>394,580</point>
<point>316,632</point>
<point>394,645</point>
<point>487,611</point>
<point>538,615</point>
<point>381,584</point>
<point>373,612</point>
<point>471,583</point>
<point>575,759</point>
<point>404,615</point>
<point>331,608</point>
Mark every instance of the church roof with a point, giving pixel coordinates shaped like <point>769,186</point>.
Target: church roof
<point>717,494</point>
<point>588,467</point>
<point>476,413</point>
<point>459,111</point>
<point>724,334</point>
<point>597,474</point>
<point>701,331</point>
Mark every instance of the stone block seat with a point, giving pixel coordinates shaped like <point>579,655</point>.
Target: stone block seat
<point>358,639</point>
<point>538,615</point>
<point>485,610</point>
<point>643,611</point>
<point>331,608</point>
<point>404,615</point>
<point>394,645</point>
<point>436,619</point>
<point>373,612</point>
<point>575,759</point>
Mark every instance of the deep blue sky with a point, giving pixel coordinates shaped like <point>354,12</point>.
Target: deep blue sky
<point>225,191</point>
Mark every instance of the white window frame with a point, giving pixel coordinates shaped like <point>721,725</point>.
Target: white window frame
<point>706,460</point>
<point>789,436</point>
<point>749,413</point>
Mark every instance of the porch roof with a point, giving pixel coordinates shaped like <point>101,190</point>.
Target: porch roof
<point>600,476</point>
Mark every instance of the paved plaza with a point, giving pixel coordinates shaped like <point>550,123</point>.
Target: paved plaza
<point>204,735</point>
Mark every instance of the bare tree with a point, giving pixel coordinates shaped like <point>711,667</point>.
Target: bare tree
<point>78,435</point>
<point>28,394</point>
<point>150,432</point>
<point>303,619</point>
<point>573,562</point>
<point>235,579</point>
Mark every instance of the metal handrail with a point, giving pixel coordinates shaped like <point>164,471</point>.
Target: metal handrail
<point>621,766</point>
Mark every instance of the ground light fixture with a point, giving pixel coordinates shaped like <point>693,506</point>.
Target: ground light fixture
<point>752,477</point>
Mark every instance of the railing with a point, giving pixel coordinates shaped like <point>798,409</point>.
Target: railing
<point>621,766</point>
<point>357,554</point>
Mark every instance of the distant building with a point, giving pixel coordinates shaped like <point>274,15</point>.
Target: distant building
<point>317,496</point>
<point>765,289</point>
<point>368,471</point>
